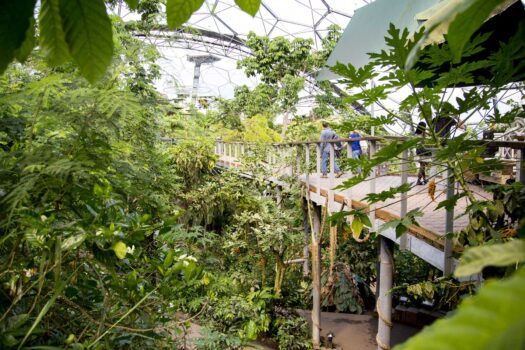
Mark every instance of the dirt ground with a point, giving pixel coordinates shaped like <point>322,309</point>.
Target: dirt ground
<point>352,332</point>
<point>357,332</point>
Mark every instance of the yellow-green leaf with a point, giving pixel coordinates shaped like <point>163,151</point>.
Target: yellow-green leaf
<point>179,11</point>
<point>357,227</point>
<point>120,249</point>
<point>249,6</point>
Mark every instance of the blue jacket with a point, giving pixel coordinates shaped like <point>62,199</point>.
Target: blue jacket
<point>355,144</point>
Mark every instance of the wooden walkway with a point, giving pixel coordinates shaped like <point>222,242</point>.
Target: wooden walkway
<point>425,240</point>
<point>432,220</point>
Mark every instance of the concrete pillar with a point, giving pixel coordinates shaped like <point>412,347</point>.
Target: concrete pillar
<point>384,300</point>
<point>403,244</point>
<point>449,226</point>
<point>372,214</point>
<point>316,279</point>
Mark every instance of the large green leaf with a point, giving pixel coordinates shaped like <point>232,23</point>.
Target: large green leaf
<point>15,19</point>
<point>27,46</point>
<point>89,35</point>
<point>249,6</point>
<point>52,38</point>
<point>179,11</point>
<point>475,259</point>
<point>459,19</point>
<point>133,4</point>
<point>494,319</point>
<point>467,22</point>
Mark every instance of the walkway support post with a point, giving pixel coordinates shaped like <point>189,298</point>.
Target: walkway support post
<point>372,213</point>
<point>316,278</point>
<point>449,225</point>
<point>384,301</point>
<point>403,243</point>
<point>307,230</point>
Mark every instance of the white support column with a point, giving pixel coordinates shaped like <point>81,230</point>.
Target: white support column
<point>384,301</point>
<point>372,214</point>
<point>316,279</point>
<point>403,244</point>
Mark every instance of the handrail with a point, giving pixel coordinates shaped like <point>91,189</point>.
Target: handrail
<point>494,143</point>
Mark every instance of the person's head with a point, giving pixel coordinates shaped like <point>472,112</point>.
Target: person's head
<point>421,127</point>
<point>325,124</point>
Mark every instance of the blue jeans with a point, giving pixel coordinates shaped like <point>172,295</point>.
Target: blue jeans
<point>356,154</point>
<point>325,157</point>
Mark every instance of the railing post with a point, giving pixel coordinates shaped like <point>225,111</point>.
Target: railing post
<point>318,168</point>
<point>242,148</point>
<point>403,244</point>
<point>520,166</point>
<point>384,301</point>
<point>449,225</point>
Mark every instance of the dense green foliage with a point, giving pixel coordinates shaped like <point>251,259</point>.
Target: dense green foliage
<point>108,234</point>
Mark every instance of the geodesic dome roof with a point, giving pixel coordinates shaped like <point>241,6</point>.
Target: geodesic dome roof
<point>219,28</point>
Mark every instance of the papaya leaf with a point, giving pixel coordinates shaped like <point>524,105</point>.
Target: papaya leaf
<point>89,36</point>
<point>449,204</point>
<point>338,216</point>
<point>249,6</point>
<point>372,198</point>
<point>52,38</point>
<point>401,225</point>
<point>179,11</point>
<point>493,319</point>
<point>15,20</point>
<point>475,259</point>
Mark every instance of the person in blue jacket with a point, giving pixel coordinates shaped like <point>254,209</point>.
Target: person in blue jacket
<point>356,147</point>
